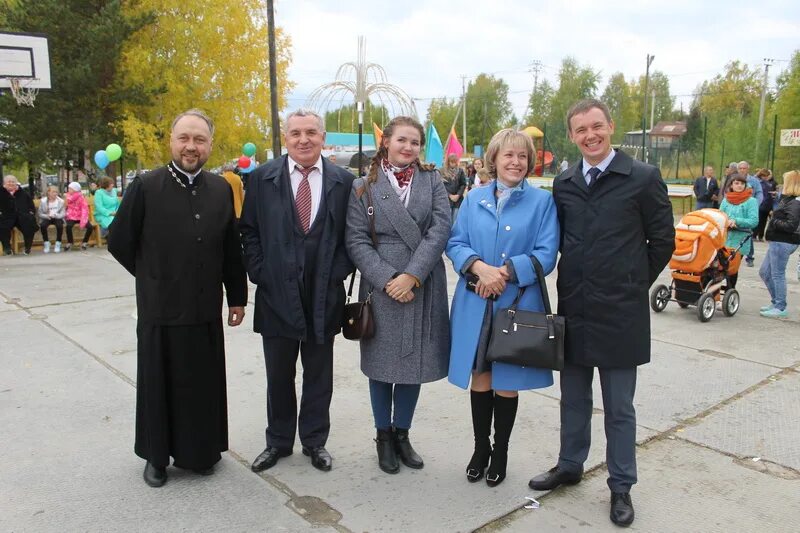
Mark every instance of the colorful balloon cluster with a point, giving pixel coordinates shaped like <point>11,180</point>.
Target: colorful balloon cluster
<point>103,157</point>
<point>247,162</point>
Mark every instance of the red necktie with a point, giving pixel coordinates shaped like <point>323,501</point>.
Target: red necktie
<point>303,199</point>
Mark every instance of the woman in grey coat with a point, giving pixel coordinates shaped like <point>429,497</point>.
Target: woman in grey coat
<point>406,276</point>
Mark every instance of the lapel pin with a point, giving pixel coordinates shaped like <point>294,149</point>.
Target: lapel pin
<point>385,197</point>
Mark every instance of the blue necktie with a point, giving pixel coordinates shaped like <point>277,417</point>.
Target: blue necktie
<point>593,173</point>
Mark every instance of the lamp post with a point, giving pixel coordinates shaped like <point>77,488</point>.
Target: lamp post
<point>644,110</point>
<point>273,82</point>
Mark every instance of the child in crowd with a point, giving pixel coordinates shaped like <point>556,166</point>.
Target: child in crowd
<point>51,211</point>
<point>77,213</point>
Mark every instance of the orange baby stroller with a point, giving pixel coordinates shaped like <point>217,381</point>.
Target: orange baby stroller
<point>702,267</point>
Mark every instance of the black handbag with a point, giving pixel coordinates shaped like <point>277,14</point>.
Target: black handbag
<point>357,320</point>
<point>528,338</point>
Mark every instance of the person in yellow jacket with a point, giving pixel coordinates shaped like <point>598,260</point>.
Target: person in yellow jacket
<point>238,188</point>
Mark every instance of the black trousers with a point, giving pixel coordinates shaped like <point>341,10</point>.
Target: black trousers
<point>763,217</point>
<point>28,230</point>
<point>87,233</point>
<point>280,358</point>
<point>58,223</point>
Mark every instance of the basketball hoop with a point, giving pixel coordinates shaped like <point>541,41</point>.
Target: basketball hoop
<point>23,95</point>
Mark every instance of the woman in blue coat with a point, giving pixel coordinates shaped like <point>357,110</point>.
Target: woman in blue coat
<point>498,230</point>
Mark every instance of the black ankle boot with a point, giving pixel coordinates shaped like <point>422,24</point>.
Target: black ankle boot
<point>387,456</point>
<point>405,451</point>
<point>505,412</point>
<point>482,405</point>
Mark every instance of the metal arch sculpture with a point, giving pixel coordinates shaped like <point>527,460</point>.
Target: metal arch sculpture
<point>370,81</point>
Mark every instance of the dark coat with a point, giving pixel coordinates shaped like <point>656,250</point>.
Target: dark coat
<point>615,240</point>
<point>457,185</point>
<point>182,246</point>
<point>785,223</point>
<point>18,204</point>
<point>268,235</point>
<point>704,193</point>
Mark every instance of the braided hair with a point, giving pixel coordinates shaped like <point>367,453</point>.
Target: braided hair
<point>383,152</point>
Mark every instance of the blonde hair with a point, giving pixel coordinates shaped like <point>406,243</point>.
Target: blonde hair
<point>504,138</point>
<point>484,176</point>
<point>791,183</point>
<point>52,188</point>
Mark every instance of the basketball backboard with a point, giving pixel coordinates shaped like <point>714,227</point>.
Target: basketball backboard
<point>24,65</point>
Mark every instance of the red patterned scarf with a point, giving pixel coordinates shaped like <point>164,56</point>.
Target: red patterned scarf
<point>403,175</point>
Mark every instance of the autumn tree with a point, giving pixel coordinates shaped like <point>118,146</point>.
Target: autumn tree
<point>210,54</point>
<point>488,110</point>
<point>787,107</point>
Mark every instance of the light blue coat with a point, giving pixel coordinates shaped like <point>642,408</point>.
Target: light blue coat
<point>104,204</point>
<point>745,215</point>
<point>528,225</point>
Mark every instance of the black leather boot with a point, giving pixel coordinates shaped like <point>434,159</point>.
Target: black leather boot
<point>405,451</point>
<point>482,405</point>
<point>387,456</point>
<point>505,412</point>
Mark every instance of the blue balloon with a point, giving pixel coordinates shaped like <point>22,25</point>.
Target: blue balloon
<point>101,159</point>
<point>252,166</point>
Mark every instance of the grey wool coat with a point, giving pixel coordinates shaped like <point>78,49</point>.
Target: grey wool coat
<point>412,340</point>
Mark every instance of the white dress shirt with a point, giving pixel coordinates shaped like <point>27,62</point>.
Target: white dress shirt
<point>314,181</point>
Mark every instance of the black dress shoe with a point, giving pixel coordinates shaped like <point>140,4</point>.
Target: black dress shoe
<point>405,451</point>
<point>320,457</point>
<point>153,475</point>
<point>621,508</point>
<point>204,471</point>
<point>387,454</point>
<point>553,478</point>
<point>268,458</point>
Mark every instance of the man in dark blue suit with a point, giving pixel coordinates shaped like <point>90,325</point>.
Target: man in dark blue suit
<point>616,236</point>
<point>292,227</point>
<point>706,189</point>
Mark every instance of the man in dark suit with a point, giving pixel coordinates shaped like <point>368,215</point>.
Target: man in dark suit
<point>706,189</point>
<point>616,236</point>
<point>176,233</point>
<point>292,228</point>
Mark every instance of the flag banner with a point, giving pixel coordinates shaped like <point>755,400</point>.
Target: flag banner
<point>378,135</point>
<point>434,152</point>
<point>453,146</point>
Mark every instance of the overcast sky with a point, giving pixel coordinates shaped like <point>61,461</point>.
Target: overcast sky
<point>426,46</point>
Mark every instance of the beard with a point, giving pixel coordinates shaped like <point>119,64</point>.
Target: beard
<point>189,167</point>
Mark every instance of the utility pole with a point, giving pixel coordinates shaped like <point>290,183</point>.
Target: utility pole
<point>273,82</point>
<point>767,63</point>
<point>644,111</point>
<point>536,67</point>
<point>464,110</point>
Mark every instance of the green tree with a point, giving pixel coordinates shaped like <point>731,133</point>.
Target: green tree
<point>345,119</point>
<point>442,112</point>
<point>787,107</point>
<point>77,114</point>
<point>620,101</point>
<point>575,82</point>
<point>539,104</point>
<point>488,110</point>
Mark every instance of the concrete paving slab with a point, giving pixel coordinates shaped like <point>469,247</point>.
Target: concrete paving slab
<point>68,463</point>
<point>683,487</point>
<point>762,424</point>
<point>679,383</point>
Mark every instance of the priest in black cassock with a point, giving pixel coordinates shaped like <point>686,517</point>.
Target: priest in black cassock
<point>175,232</point>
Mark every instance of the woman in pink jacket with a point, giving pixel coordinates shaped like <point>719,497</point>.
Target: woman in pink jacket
<point>77,213</point>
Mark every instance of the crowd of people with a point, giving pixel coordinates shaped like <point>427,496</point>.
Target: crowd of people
<point>305,224</point>
<point>758,210</point>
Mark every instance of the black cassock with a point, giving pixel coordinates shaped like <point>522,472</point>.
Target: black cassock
<point>181,243</point>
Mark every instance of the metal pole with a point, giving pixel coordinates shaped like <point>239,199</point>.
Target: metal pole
<point>273,82</point>
<point>122,175</point>
<point>678,159</point>
<point>464,116</point>
<point>722,158</point>
<point>705,133</point>
<point>360,108</point>
<point>767,63</point>
<point>644,111</point>
<point>774,140</point>
<point>544,143</point>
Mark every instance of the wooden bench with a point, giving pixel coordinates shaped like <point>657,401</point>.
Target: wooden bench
<point>18,242</point>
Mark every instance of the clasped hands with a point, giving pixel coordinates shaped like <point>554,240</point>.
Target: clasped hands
<point>491,280</point>
<point>399,288</point>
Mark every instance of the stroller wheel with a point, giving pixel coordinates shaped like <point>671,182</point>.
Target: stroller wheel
<point>659,298</point>
<point>730,302</point>
<point>706,306</point>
